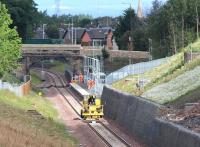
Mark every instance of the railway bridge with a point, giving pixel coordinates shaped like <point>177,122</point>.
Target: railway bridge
<point>30,50</point>
<point>35,52</point>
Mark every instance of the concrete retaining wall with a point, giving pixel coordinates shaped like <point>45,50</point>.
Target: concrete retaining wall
<point>133,113</point>
<point>139,117</point>
<point>168,134</point>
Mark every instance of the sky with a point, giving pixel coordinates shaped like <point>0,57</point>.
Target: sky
<point>94,8</point>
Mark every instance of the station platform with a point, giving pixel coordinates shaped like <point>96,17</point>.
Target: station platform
<point>79,90</point>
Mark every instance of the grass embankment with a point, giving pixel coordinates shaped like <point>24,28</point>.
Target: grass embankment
<point>176,88</point>
<point>168,82</point>
<point>195,47</point>
<point>152,77</point>
<point>20,128</point>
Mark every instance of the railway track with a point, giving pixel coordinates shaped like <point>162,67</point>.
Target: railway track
<point>106,134</point>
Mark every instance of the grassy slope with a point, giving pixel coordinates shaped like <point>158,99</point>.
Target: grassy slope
<point>30,129</point>
<point>29,102</point>
<point>153,76</point>
<point>180,86</point>
<point>195,47</point>
<point>159,75</point>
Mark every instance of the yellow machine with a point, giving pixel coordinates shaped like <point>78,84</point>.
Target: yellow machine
<point>92,108</point>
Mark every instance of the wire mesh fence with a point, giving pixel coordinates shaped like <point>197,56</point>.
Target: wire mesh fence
<point>132,69</point>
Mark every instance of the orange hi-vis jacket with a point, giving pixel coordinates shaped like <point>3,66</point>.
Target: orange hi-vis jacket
<point>90,84</point>
<point>81,78</point>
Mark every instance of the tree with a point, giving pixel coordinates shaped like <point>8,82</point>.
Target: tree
<point>105,53</point>
<point>84,22</point>
<point>197,18</point>
<point>24,15</point>
<point>127,24</point>
<point>173,25</point>
<point>10,43</point>
<point>52,32</point>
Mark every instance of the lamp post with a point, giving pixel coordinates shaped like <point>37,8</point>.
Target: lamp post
<point>43,30</point>
<point>130,40</point>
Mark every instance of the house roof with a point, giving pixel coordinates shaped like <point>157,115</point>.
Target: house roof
<point>98,33</point>
<point>78,31</point>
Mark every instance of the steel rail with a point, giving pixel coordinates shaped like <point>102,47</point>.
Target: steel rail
<point>53,76</point>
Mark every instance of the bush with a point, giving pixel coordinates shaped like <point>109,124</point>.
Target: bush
<point>105,53</point>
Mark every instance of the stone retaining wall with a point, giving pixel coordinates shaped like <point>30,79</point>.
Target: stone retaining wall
<point>129,54</point>
<point>139,117</point>
<point>116,53</point>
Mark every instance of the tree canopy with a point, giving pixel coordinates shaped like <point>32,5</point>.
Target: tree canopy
<point>10,43</point>
<point>24,14</point>
<point>131,32</point>
<point>52,31</point>
<point>169,26</point>
<point>173,25</point>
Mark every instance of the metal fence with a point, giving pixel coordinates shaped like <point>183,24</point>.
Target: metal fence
<point>133,69</point>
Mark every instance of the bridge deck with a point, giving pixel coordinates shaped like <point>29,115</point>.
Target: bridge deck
<point>77,50</point>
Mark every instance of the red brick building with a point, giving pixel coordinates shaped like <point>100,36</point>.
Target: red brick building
<point>97,37</point>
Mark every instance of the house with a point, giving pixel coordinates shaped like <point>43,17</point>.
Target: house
<point>89,37</point>
<point>73,36</point>
<point>98,37</point>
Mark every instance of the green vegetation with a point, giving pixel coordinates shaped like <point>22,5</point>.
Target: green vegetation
<point>130,25</point>
<point>10,43</point>
<point>163,83</point>
<point>31,101</point>
<point>35,79</point>
<point>8,77</point>
<point>58,66</point>
<point>195,47</point>
<point>52,31</point>
<point>176,88</point>
<point>16,111</point>
<point>31,129</point>
<point>24,15</point>
<point>105,53</point>
<point>152,77</point>
<point>173,25</point>
<point>167,28</point>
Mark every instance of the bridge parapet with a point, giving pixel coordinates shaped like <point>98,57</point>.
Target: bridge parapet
<point>41,49</point>
<point>77,50</point>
